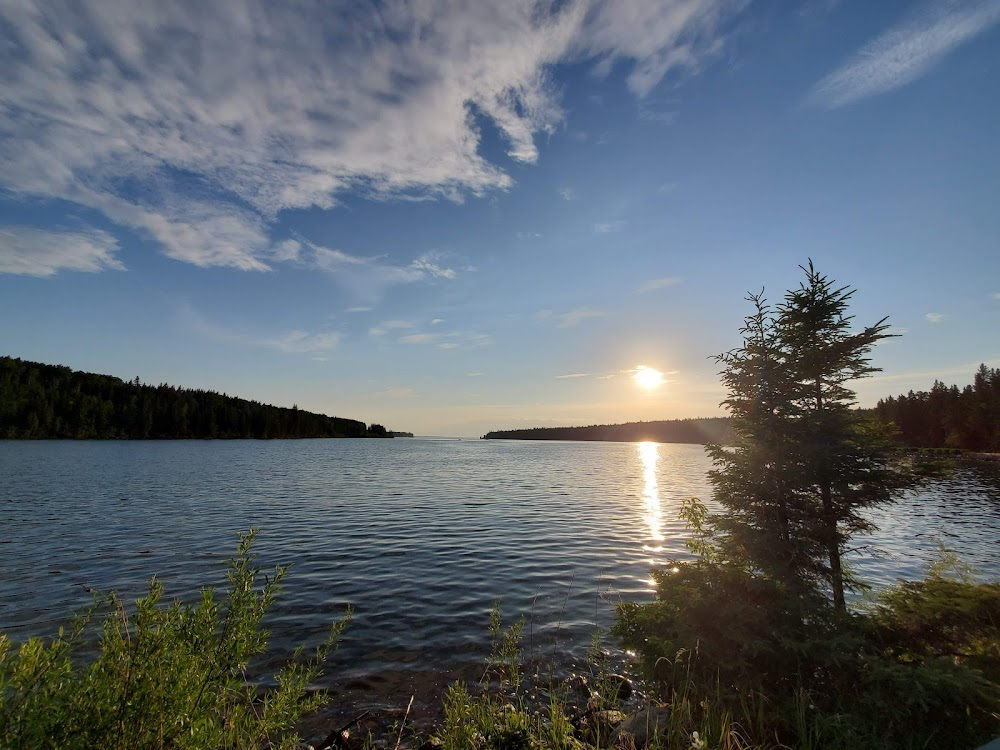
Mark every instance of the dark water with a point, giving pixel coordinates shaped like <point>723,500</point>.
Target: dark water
<point>419,536</point>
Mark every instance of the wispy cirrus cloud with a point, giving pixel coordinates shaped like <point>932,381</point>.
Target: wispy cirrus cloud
<point>450,340</point>
<point>38,252</point>
<point>198,123</point>
<point>935,317</point>
<point>289,342</point>
<point>905,52</point>
<point>573,376</point>
<point>606,227</point>
<point>369,277</point>
<point>387,326</point>
<point>653,285</point>
<point>577,316</point>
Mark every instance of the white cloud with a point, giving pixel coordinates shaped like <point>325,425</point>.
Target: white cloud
<point>428,264</point>
<point>995,295</point>
<point>38,252</point>
<point>935,317</point>
<point>368,278</point>
<point>575,317</point>
<point>360,309</point>
<point>474,374</point>
<point>905,52</point>
<point>573,375</point>
<point>567,193</point>
<point>653,285</point>
<point>418,338</point>
<point>451,340</point>
<point>668,187</point>
<point>289,342</point>
<point>389,325</point>
<point>437,321</point>
<point>658,36</point>
<point>199,122</point>
<point>606,227</point>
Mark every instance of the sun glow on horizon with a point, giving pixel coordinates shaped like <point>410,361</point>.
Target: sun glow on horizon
<point>648,377</point>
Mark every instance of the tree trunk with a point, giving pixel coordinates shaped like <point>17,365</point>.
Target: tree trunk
<point>833,548</point>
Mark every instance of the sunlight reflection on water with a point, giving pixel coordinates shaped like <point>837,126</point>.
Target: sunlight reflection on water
<point>420,536</point>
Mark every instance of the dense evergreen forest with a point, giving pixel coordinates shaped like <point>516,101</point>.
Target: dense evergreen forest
<point>707,430</point>
<point>51,401</point>
<point>946,417</point>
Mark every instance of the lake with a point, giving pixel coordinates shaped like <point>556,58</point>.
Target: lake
<point>420,536</point>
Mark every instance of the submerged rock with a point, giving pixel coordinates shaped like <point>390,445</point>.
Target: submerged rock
<point>619,687</point>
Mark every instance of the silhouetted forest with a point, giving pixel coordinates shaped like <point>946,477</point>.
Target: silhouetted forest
<point>51,401</point>
<point>946,417</point>
<point>707,430</point>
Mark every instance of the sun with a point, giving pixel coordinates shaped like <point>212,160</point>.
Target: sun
<point>647,377</point>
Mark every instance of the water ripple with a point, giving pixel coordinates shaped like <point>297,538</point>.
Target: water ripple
<point>419,536</point>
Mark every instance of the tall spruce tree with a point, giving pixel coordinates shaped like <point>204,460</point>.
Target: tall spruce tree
<point>805,465</point>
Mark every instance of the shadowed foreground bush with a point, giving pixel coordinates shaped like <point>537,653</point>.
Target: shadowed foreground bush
<point>167,675</point>
<point>918,668</point>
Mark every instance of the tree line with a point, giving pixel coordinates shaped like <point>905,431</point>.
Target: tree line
<point>706,430</point>
<point>51,401</point>
<point>946,417</point>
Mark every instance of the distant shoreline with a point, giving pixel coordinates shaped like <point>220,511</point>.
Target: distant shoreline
<point>699,431</point>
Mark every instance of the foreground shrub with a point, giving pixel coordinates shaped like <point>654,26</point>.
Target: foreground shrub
<point>920,668</point>
<point>167,675</point>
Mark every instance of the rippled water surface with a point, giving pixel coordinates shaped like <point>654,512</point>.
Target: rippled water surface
<point>419,536</point>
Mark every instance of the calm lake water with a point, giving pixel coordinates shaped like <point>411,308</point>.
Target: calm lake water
<point>420,536</point>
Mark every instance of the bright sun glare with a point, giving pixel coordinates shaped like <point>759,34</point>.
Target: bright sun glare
<point>647,377</point>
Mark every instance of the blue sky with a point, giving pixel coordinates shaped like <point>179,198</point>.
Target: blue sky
<point>450,217</point>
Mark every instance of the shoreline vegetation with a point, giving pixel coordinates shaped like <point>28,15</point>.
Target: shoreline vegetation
<point>46,402</point>
<point>962,421</point>
<point>698,431</point>
<point>749,644</point>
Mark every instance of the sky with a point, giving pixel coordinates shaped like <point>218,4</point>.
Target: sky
<point>449,217</point>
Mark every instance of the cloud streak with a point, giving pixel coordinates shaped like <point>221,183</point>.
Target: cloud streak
<point>905,52</point>
<point>199,123</point>
<point>607,227</point>
<point>653,285</point>
<point>288,342</point>
<point>575,317</point>
<point>37,252</point>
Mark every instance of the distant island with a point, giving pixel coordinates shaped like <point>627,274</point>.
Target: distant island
<point>397,433</point>
<point>39,401</point>
<point>703,430</point>
<point>966,419</point>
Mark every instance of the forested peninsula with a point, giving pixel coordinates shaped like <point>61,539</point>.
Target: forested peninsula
<point>707,430</point>
<point>950,417</point>
<point>39,401</point>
